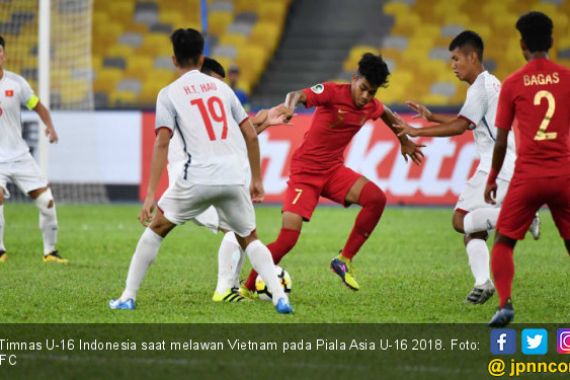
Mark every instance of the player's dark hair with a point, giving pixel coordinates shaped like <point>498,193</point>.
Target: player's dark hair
<point>469,39</point>
<point>2,43</point>
<point>188,45</point>
<point>374,69</point>
<point>210,65</point>
<point>536,31</point>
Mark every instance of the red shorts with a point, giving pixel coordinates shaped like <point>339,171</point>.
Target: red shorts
<point>304,190</point>
<point>526,196</point>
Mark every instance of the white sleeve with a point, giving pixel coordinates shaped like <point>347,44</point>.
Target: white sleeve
<point>26,94</point>
<point>475,105</point>
<point>165,111</point>
<point>238,112</point>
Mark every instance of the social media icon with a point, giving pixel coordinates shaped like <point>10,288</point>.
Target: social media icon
<point>504,341</point>
<point>563,341</point>
<point>534,341</point>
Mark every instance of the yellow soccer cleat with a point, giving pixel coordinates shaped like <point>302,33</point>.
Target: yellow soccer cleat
<point>54,257</point>
<point>3,256</point>
<point>231,295</point>
<point>344,269</point>
<point>249,294</point>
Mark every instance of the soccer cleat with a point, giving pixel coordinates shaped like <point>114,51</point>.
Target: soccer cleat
<point>54,257</point>
<point>480,294</point>
<point>503,316</point>
<point>118,304</point>
<point>343,268</point>
<point>3,256</point>
<point>283,306</point>
<point>231,295</point>
<point>534,228</point>
<point>249,294</point>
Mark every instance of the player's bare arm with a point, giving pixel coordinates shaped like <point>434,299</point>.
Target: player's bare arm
<point>498,158</point>
<point>274,116</point>
<point>424,113</point>
<point>292,99</point>
<point>252,143</point>
<point>456,126</point>
<point>157,164</point>
<point>408,147</point>
<point>44,115</point>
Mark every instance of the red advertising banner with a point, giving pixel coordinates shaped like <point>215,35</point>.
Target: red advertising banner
<point>374,152</point>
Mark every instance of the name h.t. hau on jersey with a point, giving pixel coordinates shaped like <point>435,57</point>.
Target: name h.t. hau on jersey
<point>194,107</point>
<point>15,92</point>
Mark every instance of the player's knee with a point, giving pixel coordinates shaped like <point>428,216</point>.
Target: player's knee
<point>372,196</point>
<point>44,201</point>
<point>457,222</point>
<point>1,196</point>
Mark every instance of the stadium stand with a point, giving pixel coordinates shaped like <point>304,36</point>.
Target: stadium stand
<point>416,47</point>
<point>132,57</point>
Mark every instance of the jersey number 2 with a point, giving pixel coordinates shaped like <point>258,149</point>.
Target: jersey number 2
<point>214,111</point>
<point>541,134</point>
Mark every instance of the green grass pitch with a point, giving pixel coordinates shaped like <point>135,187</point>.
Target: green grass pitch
<point>412,269</point>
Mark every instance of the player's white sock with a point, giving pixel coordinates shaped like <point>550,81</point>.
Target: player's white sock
<point>482,219</point>
<point>237,265</point>
<point>48,220</point>
<point>2,228</point>
<point>145,253</point>
<point>478,253</point>
<point>262,262</point>
<point>226,266</point>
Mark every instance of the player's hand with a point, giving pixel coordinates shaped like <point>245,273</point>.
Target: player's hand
<point>145,215</point>
<point>491,193</point>
<point>421,110</point>
<point>280,114</point>
<point>52,135</point>
<point>256,190</point>
<point>404,129</point>
<point>412,150</point>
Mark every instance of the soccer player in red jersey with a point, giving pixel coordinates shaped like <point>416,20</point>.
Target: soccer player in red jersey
<point>538,96</point>
<point>317,167</point>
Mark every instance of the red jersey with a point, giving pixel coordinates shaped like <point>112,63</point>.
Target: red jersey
<point>538,96</point>
<point>334,123</point>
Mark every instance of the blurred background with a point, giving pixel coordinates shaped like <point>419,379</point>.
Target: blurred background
<point>109,55</point>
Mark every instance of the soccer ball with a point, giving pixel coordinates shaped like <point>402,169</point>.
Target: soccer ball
<point>262,290</point>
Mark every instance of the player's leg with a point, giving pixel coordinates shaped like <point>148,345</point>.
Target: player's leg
<point>230,261</point>
<point>237,214</point>
<point>291,225</point>
<point>559,205</point>
<point>348,187</point>
<point>301,199</point>
<point>176,206</point>
<point>517,212</point>
<point>144,255</point>
<point>3,255</point>
<point>43,198</point>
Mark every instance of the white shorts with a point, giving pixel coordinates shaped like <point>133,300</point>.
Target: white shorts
<point>183,202</point>
<point>24,173</point>
<point>473,196</point>
<point>208,218</point>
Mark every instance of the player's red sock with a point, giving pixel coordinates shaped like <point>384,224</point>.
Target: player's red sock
<point>279,248</point>
<point>503,268</point>
<point>373,201</point>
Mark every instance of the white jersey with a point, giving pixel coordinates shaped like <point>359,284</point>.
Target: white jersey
<point>204,114</point>
<point>480,108</point>
<point>15,92</point>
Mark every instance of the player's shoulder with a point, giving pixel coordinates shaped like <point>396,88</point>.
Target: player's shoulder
<point>13,77</point>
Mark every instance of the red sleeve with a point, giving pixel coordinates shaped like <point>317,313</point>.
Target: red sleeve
<point>378,110</point>
<point>506,107</point>
<point>319,94</point>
